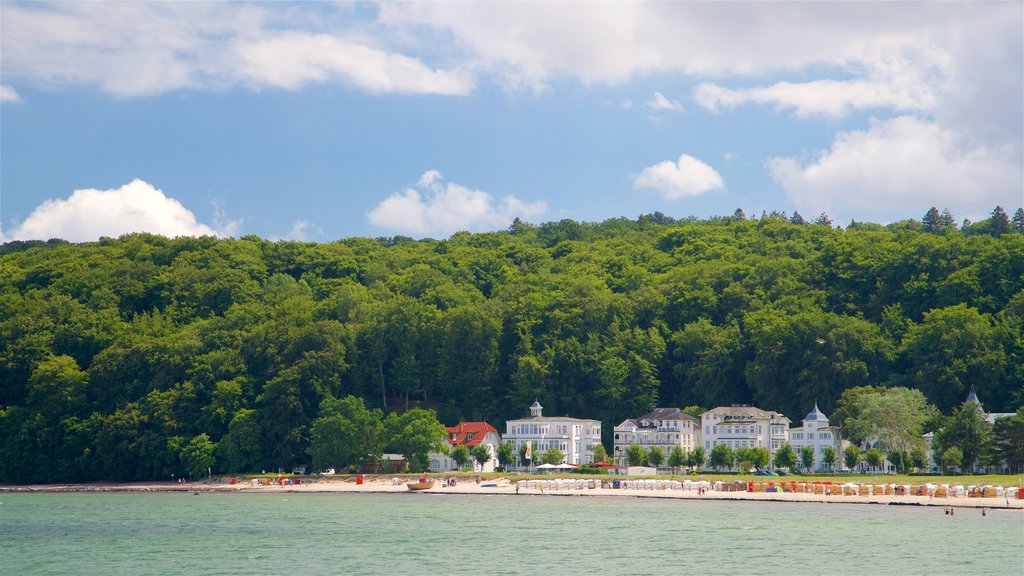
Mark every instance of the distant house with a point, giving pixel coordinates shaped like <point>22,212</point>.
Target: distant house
<point>470,435</point>
<point>388,464</point>
<point>662,427</point>
<point>575,437</point>
<point>817,433</point>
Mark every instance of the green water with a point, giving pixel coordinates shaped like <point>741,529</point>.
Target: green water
<point>422,534</point>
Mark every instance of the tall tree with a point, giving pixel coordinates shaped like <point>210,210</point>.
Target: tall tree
<point>896,417</point>
<point>676,458</point>
<point>807,457</point>
<point>968,430</point>
<point>785,456</point>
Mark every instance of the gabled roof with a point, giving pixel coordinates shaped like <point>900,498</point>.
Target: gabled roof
<point>741,412</point>
<point>468,434</point>
<point>666,414</point>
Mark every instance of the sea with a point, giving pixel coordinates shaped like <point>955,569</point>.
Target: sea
<point>426,534</point>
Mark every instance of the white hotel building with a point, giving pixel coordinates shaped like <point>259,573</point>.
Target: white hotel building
<point>816,433</point>
<point>741,425</point>
<point>662,427</point>
<point>575,437</point>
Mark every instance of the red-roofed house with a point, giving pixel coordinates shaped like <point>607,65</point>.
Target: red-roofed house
<point>470,435</point>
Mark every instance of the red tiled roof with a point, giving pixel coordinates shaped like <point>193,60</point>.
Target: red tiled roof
<point>459,433</point>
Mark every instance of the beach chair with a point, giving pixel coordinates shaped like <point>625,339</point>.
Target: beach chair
<point>864,490</point>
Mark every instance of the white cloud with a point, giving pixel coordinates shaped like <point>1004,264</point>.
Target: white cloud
<point>822,97</point>
<point>301,231</point>
<point>9,94</point>
<point>900,165</point>
<point>141,49</point>
<point>674,180</point>
<point>436,207</point>
<point>88,214</point>
<point>294,59</point>
<point>663,104</point>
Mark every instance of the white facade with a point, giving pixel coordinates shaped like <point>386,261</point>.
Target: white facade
<point>575,437</point>
<point>471,435</point>
<point>737,426</point>
<point>662,427</point>
<point>816,433</point>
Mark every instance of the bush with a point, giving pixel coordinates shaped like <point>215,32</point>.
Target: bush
<point>588,470</point>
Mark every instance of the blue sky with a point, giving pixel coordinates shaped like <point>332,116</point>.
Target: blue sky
<point>321,121</point>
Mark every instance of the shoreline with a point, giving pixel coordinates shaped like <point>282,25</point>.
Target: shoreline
<point>503,487</point>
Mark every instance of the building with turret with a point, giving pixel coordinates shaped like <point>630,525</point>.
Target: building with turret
<point>817,433</point>
<point>574,437</point>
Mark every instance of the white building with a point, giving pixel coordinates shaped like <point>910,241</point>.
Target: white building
<point>817,433</point>
<point>742,425</point>
<point>470,435</point>
<point>662,427</point>
<point>576,438</point>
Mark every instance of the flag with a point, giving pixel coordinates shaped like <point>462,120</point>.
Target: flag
<point>529,452</point>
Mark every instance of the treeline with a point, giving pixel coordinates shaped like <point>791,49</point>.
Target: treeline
<point>117,357</point>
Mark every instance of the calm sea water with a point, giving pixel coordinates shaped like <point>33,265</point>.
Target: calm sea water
<point>423,534</point>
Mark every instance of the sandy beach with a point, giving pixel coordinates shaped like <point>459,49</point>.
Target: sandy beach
<point>396,485</point>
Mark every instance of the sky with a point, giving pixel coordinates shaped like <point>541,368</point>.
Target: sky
<point>322,121</point>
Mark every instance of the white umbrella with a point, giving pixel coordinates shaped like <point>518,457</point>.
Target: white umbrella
<point>546,467</point>
<point>565,466</point>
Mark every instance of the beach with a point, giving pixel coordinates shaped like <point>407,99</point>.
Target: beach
<point>506,487</point>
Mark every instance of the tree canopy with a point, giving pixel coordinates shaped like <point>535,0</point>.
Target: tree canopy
<point>141,356</point>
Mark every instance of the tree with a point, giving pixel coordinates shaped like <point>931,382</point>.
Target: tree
<point>482,454</point>
<point>636,455</point>
<point>197,456</point>
<point>697,457</point>
<point>655,456</point>
<point>998,222</point>
<point>759,457</point>
<point>1008,440</point>
<point>873,457</point>
<point>851,456</point>
<point>931,220</point>
<point>918,459</point>
<point>743,458</point>
<point>952,349</point>
<point>722,456</point>
<point>896,417</point>
<point>346,433</point>
<point>1018,221</point>
<point>241,448</point>
<point>506,454</point>
<point>600,454</point>
<point>829,457</point>
<point>807,457</point>
<point>952,457</point>
<point>676,458</point>
<point>416,433</point>
<point>552,456</point>
<point>967,430</point>
<point>900,460</point>
<point>785,456</point>
<point>823,220</point>
<point>461,455</point>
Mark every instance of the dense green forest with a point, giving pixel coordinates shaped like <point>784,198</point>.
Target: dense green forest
<point>119,357</point>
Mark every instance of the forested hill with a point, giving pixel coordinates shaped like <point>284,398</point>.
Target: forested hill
<point>114,353</point>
